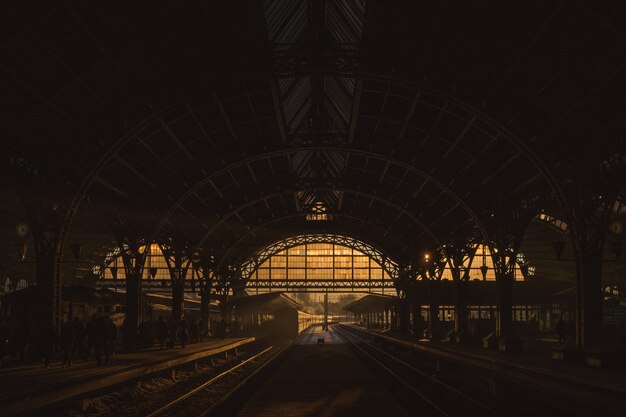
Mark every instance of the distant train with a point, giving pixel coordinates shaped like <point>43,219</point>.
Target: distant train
<point>291,322</point>
<point>273,313</point>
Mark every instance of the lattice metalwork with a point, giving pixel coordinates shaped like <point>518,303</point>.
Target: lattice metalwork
<point>379,270</point>
<point>379,286</point>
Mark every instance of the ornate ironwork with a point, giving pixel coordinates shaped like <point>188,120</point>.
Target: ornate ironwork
<point>389,265</point>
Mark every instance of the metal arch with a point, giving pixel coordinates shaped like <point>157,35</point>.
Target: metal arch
<point>299,215</point>
<point>389,265</point>
<point>88,180</point>
<point>291,190</point>
<point>112,150</point>
<point>190,191</point>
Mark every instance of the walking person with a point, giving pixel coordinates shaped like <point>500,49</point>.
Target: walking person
<point>4,339</point>
<point>561,329</point>
<point>183,332</point>
<point>161,331</point>
<point>112,333</point>
<point>171,333</point>
<point>193,331</point>
<point>91,330</point>
<point>79,338</point>
<point>101,341</point>
<point>220,330</point>
<point>67,342</point>
<point>21,339</point>
<point>46,343</point>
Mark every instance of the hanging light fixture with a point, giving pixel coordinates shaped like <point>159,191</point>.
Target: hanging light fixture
<point>153,271</point>
<point>113,272</point>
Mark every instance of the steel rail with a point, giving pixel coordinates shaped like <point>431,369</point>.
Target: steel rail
<point>345,334</point>
<point>194,391</point>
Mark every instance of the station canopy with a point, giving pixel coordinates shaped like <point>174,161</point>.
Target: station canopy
<point>234,125</point>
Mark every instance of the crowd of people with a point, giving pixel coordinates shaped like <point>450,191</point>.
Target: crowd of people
<point>169,333</point>
<point>75,340</point>
<point>97,338</point>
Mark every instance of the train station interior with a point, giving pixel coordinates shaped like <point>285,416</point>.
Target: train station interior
<point>312,208</point>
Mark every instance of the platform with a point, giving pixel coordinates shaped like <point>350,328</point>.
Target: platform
<point>322,380</point>
<point>533,367</point>
<point>29,387</point>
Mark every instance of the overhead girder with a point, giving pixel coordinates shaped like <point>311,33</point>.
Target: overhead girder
<point>400,250</point>
<point>374,197</point>
<point>500,132</point>
<point>207,181</point>
<point>494,133</point>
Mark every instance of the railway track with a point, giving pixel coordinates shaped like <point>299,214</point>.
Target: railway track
<point>188,404</point>
<point>419,391</point>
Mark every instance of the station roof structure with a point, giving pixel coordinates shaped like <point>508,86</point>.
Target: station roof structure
<point>372,303</point>
<point>269,303</point>
<point>235,125</point>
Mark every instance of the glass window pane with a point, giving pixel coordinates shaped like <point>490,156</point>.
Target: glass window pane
<point>296,273</point>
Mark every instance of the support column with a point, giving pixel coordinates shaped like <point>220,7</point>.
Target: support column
<point>434,332</point>
<point>177,298</point>
<point>504,313</point>
<point>460,311</point>
<point>133,308</point>
<point>205,303</point>
<point>403,316</point>
<point>589,302</point>
<point>418,321</point>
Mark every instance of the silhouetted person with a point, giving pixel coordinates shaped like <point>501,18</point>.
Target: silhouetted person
<point>235,328</point>
<point>129,333</point>
<point>91,330</point>
<point>46,343</point>
<point>419,324</point>
<point>161,331</point>
<point>171,333</point>
<point>183,332</point>
<point>79,338</point>
<point>150,333</point>
<point>101,341</point>
<point>201,331</point>
<point>220,329</point>
<point>4,338</point>
<point>561,329</point>
<point>621,334</point>
<point>193,331</point>
<point>21,338</point>
<point>143,334</point>
<point>67,342</point>
<point>112,333</point>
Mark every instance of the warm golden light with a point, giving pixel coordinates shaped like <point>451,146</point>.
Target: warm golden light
<point>320,261</point>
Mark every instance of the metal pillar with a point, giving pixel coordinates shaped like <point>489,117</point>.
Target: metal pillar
<point>178,300</point>
<point>403,316</point>
<point>504,313</point>
<point>460,311</point>
<point>325,325</point>
<point>589,302</point>
<point>133,306</point>
<point>433,311</point>
<point>205,300</point>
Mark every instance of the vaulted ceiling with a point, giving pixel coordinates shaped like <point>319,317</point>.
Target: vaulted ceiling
<point>228,123</point>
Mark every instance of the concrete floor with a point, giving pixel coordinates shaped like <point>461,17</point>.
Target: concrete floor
<point>322,380</point>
